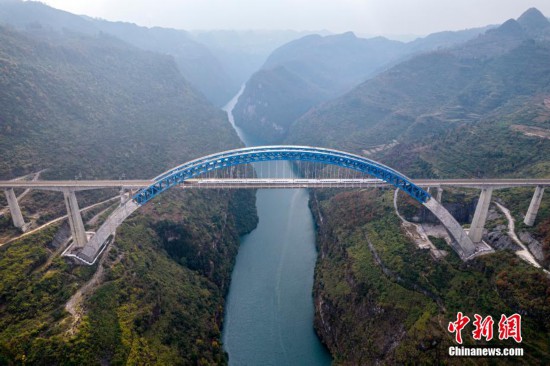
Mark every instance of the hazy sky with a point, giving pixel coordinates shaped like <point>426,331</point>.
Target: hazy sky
<point>385,17</point>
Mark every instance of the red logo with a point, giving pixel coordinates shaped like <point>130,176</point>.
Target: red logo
<point>456,327</point>
<point>508,327</point>
<point>484,328</point>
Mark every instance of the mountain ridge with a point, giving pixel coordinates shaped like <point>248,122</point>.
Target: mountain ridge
<point>453,85</point>
<point>196,62</point>
<point>334,63</point>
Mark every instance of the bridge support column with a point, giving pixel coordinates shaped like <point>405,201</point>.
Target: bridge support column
<point>124,196</point>
<point>480,215</point>
<point>439,194</point>
<point>75,220</point>
<point>531,215</point>
<point>462,244</point>
<point>15,210</point>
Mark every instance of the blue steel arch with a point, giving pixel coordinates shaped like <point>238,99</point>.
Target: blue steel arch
<point>247,155</point>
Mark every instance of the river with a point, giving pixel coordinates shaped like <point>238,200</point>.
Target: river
<point>269,308</point>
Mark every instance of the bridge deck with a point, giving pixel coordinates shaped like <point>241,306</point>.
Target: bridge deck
<point>268,183</point>
<point>57,185</point>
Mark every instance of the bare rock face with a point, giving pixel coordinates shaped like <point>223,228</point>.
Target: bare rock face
<point>61,236</point>
<point>501,241</point>
<point>535,247</point>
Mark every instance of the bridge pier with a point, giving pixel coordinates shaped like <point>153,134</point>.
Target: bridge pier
<point>124,196</point>
<point>15,210</point>
<point>531,214</point>
<point>480,215</point>
<point>439,195</point>
<point>75,220</point>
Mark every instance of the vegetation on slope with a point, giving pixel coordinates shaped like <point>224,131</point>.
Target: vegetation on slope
<point>381,299</point>
<point>378,298</point>
<point>465,112</point>
<point>195,61</point>
<point>153,306</point>
<point>428,96</point>
<point>320,68</point>
<point>96,107</point>
<point>304,72</point>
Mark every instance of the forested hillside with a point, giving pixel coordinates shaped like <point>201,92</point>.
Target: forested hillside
<point>313,69</point>
<point>195,61</point>
<point>433,93</point>
<point>96,107</point>
<point>480,109</point>
<point>108,109</point>
<point>379,299</point>
<point>82,98</point>
<point>303,73</point>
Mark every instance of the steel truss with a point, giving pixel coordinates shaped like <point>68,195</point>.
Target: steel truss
<point>230,158</point>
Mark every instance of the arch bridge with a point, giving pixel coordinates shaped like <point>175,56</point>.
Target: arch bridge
<point>192,173</point>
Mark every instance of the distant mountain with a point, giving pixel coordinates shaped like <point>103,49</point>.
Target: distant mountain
<point>198,65</point>
<point>444,39</point>
<point>534,23</point>
<point>242,53</point>
<point>195,61</point>
<point>334,62</point>
<point>418,101</point>
<point>330,66</point>
<point>36,15</point>
<point>530,25</point>
<point>275,96</point>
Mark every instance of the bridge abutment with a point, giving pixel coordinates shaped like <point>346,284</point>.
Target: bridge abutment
<point>480,215</point>
<point>531,215</point>
<point>15,210</point>
<point>96,244</point>
<point>75,219</point>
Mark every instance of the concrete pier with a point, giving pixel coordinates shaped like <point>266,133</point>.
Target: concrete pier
<point>124,197</point>
<point>439,196</point>
<point>15,210</point>
<point>531,215</point>
<point>75,220</point>
<point>480,215</point>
